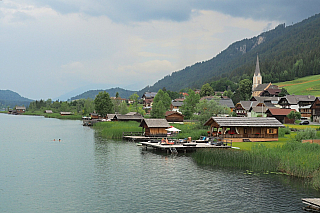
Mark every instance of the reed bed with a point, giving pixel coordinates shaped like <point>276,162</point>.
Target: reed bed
<point>190,130</point>
<point>292,158</point>
<point>114,130</point>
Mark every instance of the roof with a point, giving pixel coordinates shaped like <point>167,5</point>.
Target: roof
<point>262,99</point>
<point>177,103</point>
<point>248,104</point>
<point>295,99</point>
<point>261,87</point>
<point>259,109</point>
<point>257,71</point>
<point>273,92</point>
<point>244,122</point>
<point>172,112</point>
<point>20,107</point>
<point>149,94</point>
<point>226,102</point>
<point>127,117</point>
<point>155,123</point>
<point>277,111</point>
<point>133,113</point>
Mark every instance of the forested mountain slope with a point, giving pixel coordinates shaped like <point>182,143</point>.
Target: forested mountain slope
<point>11,99</point>
<point>112,92</point>
<point>284,52</point>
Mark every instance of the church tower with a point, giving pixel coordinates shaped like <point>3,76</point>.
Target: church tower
<point>257,78</point>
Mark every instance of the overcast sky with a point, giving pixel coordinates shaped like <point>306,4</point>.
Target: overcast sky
<point>51,47</point>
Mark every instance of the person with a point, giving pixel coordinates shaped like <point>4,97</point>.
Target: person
<point>59,139</point>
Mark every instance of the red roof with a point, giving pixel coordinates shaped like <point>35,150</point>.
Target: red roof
<point>276,111</point>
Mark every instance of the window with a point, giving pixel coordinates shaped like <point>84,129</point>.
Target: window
<point>271,131</point>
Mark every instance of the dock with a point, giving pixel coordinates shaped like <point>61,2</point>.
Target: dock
<point>184,147</point>
<point>313,204</point>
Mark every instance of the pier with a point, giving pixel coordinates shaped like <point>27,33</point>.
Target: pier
<point>313,204</point>
<point>184,147</point>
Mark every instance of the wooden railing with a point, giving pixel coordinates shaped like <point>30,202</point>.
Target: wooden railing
<point>249,136</point>
<point>132,133</point>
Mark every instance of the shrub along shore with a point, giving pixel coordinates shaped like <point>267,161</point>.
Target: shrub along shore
<point>55,115</point>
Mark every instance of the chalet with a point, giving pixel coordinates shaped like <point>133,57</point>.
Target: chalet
<point>315,110</point>
<point>240,129</point>
<point>280,115</point>
<point>174,116</point>
<point>20,109</point>
<point>155,127</point>
<point>147,98</point>
<point>176,105</point>
<point>270,92</point>
<point>118,117</point>
<point>301,103</point>
<point>222,101</point>
<point>94,115</point>
<point>242,108</point>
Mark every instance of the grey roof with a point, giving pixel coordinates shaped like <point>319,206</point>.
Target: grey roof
<point>244,122</point>
<point>128,117</point>
<point>177,103</point>
<point>295,99</point>
<point>226,102</point>
<point>248,104</point>
<point>261,87</point>
<point>257,71</point>
<point>133,113</point>
<point>149,94</point>
<point>156,123</point>
<point>262,99</point>
<point>258,109</point>
<point>21,107</point>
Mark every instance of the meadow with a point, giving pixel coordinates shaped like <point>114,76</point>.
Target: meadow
<point>309,85</point>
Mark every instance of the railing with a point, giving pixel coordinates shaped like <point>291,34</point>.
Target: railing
<point>249,136</point>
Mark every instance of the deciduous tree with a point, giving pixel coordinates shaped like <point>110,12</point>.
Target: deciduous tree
<point>103,104</point>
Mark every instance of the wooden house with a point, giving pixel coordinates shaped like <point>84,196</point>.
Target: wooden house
<point>20,109</point>
<point>66,113</point>
<point>315,110</point>
<point>240,129</point>
<point>176,105</point>
<point>280,115</point>
<point>118,117</point>
<point>48,111</point>
<point>147,98</point>
<point>174,116</point>
<point>155,127</point>
<point>94,115</point>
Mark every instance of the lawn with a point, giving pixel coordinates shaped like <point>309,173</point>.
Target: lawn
<point>309,85</point>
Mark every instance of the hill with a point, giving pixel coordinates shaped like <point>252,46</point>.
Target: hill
<point>11,99</point>
<point>309,85</point>
<point>112,92</point>
<point>285,53</point>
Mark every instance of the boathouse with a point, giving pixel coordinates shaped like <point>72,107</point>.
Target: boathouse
<point>240,129</point>
<point>20,109</point>
<point>155,127</point>
<point>174,116</point>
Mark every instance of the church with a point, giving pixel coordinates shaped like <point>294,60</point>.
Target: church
<point>260,89</point>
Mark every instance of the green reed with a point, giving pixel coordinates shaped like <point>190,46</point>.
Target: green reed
<point>114,130</point>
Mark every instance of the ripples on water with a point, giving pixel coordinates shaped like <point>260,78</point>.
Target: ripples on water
<point>86,173</point>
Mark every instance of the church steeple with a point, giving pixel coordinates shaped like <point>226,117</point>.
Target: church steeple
<point>257,78</point>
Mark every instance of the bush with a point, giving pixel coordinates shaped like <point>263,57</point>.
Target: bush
<point>307,133</point>
<point>284,131</point>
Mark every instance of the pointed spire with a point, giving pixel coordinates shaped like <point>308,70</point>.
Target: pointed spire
<point>257,71</point>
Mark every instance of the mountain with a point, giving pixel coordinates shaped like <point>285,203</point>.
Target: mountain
<point>285,53</point>
<point>112,92</point>
<point>11,99</point>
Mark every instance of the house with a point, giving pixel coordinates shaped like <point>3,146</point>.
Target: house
<point>258,111</point>
<point>301,103</point>
<point>155,127</point>
<point>94,115</point>
<point>222,101</point>
<point>238,129</point>
<point>20,109</point>
<point>270,92</point>
<point>118,117</point>
<point>315,110</point>
<point>48,111</point>
<point>280,115</point>
<point>174,116</point>
<point>242,108</point>
<point>176,105</point>
<point>147,98</point>
<point>271,101</point>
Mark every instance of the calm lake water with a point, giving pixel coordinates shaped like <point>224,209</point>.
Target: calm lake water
<point>86,173</point>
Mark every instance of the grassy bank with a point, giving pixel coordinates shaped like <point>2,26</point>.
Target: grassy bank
<point>114,130</point>
<point>55,115</point>
<point>288,156</point>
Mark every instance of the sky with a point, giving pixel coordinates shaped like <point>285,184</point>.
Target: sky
<point>49,48</point>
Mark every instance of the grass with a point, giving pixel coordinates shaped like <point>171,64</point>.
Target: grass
<point>114,130</point>
<point>309,85</point>
<point>55,115</point>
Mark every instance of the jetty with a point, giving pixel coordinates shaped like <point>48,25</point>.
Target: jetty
<point>184,147</point>
<point>313,204</point>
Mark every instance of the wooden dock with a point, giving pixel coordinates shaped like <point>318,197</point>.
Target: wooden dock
<point>184,147</point>
<point>313,204</point>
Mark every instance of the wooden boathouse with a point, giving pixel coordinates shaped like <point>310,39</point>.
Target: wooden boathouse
<point>242,129</point>
<point>155,127</point>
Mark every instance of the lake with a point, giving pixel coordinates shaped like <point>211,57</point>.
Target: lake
<point>86,173</point>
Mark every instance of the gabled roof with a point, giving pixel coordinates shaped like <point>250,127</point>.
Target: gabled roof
<point>155,123</point>
<point>127,117</point>
<point>261,87</point>
<point>295,99</point>
<point>149,94</point>
<point>173,112</point>
<point>20,107</point>
<point>226,102</point>
<point>277,111</point>
<point>262,99</point>
<point>258,109</point>
<point>244,122</point>
<point>247,104</point>
<point>133,113</point>
<point>177,103</point>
